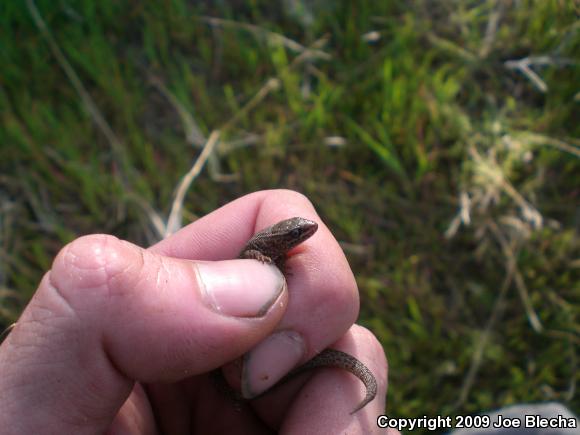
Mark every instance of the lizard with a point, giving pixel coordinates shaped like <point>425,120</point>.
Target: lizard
<point>270,246</point>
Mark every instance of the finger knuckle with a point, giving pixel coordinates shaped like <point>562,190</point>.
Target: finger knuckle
<point>86,263</point>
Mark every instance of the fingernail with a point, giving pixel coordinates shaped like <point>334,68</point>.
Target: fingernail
<point>240,288</point>
<point>270,361</point>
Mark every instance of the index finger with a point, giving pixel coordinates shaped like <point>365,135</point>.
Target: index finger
<point>221,234</point>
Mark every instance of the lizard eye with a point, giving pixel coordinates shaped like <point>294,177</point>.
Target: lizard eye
<point>295,233</point>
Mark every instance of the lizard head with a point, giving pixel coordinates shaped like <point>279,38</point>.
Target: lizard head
<point>294,231</point>
<point>275,241</point>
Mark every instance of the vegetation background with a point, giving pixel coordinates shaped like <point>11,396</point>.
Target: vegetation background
<point>439,140</point>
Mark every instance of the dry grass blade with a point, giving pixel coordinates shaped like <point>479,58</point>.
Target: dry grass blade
<point>87,100</point>
<point>271,85</point>
<point>541,139</point>
<point>155,219</point>
<point>270,36</point>
<point>491,30</point>
<point>463,216</point>
<point>7,331</point>
<point>524,66</point>
<point>175,217</point>
<point>193,133</point>
<point>477,357</point>
<point>451,47</point>
<point>519,281</point>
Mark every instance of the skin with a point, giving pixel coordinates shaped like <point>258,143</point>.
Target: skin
<point>118,340</point>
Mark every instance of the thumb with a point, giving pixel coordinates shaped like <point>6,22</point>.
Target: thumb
<point>110,313</point>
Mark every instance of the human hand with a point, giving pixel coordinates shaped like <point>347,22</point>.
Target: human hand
<point>118,339</point>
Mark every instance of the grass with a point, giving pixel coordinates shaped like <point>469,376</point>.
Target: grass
<point>438,140</point>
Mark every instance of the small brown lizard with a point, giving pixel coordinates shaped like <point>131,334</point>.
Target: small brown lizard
<point>270,246</point>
